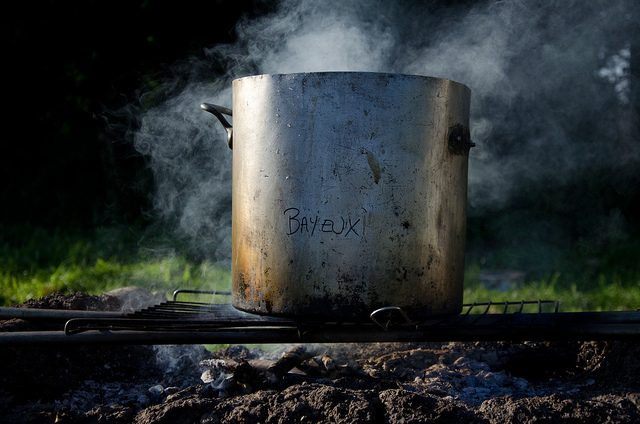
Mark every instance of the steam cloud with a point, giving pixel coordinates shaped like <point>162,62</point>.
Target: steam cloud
<point>548,78</point>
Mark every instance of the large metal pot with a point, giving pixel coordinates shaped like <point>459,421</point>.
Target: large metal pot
<point>349,193</point>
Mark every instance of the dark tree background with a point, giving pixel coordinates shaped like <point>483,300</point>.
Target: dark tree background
<point>68,67</point>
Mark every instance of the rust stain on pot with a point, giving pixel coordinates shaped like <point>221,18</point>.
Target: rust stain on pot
<point>243,287</point>
<point>268,294</point>
<point>374,164</point>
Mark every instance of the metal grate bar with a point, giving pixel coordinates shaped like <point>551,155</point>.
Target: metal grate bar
<point>507,304</point>
<point>197,316</point>
<point>178,316</point>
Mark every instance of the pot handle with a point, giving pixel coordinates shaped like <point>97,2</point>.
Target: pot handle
<point>459,140</point>
<point>217,111</point>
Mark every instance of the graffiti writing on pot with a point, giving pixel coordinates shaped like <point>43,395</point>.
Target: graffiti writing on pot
<point>315,225</point>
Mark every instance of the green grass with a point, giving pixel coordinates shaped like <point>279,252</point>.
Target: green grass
<point>164,275</point>
<point>581,277</point>
<point>610,294</point>
<point>35,262</point>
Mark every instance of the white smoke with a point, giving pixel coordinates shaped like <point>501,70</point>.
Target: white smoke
<point>312,36</point>
<point>192,170</point>
<point>535,69</point>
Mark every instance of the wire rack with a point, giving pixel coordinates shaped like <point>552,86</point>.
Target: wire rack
<point>187,322</point>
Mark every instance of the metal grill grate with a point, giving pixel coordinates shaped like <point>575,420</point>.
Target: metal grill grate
<point>183,322</point>
<point>186,316</point>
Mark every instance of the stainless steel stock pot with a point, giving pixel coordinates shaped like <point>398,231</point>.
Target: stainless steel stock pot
<point>349,193</point>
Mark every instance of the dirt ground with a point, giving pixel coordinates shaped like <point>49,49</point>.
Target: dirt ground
<point>471,382</point>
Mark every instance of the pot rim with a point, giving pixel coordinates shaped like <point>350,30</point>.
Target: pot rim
<point>372,74</point>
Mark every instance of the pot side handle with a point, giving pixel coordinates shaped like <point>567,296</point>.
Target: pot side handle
<point>459,140</point>
<point>218,111</point>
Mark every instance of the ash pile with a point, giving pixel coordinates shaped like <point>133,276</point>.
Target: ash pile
<point>470,382</point>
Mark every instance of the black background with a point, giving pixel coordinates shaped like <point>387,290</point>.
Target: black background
<point>69,66</point>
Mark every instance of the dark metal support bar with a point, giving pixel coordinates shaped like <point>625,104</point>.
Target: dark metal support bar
<point>578,326</point>
<point>54,314</point>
